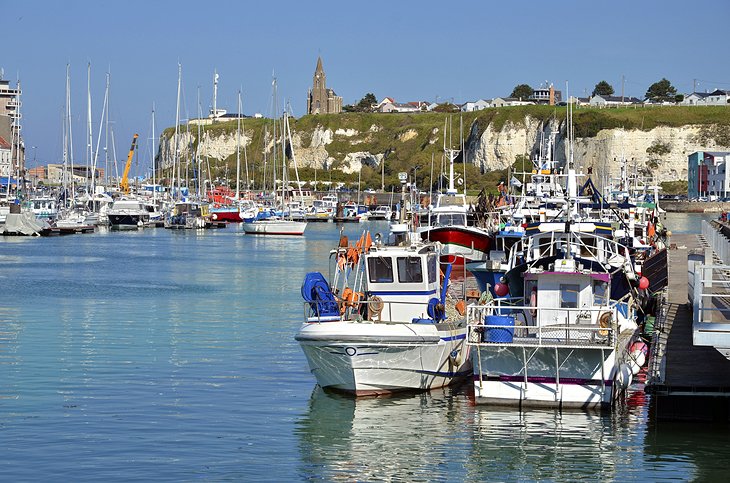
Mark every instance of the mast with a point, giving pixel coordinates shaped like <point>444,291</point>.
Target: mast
<point>154,178</point>
<point>69,134</point>
<point>98,139</point>
<point>176,155</point>
<point>238,149</point>
<point>215,94</point>
<point>89,129</point>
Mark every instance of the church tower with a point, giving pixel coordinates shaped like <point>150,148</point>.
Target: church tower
<point>320,99</point>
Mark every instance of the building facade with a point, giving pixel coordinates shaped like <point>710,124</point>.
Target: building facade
<point>320,99</point>
<point>708,175</point>
<point>10,123</point>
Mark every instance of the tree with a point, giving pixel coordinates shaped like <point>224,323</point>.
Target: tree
<point>661,91</point>
<point>522,91</point>
<point>603,88</point>
<point>367,102</point>
<point>446,107</point>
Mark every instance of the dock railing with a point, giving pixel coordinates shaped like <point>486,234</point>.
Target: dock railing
<point>709,284</point>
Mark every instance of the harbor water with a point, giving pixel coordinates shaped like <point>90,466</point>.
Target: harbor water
<point>170,355</point>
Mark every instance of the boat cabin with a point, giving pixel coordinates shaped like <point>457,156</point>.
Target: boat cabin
<point>405,279</point>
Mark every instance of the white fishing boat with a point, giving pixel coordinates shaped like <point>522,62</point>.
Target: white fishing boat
<point>560,333</point>
<point>381,324</point>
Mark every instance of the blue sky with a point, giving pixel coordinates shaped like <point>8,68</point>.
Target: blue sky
<point>409,50</point>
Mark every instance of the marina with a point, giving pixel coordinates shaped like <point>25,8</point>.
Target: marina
<point>297,245</point>
<point>175,350</point>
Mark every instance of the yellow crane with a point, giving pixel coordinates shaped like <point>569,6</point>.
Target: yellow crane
<point>124,183</point>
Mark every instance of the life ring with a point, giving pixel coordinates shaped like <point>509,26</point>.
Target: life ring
<point>375,306</point>
<point>533,303</point>
<point>604,321</point>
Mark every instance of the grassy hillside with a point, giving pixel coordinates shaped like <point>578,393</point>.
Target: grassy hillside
<point>412,140</point>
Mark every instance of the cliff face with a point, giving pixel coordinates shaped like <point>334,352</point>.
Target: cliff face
<point>661,150</point>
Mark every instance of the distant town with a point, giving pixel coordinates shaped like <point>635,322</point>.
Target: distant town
<point>322,99</point>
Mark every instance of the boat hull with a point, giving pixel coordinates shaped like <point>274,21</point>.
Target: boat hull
<point>125,221</point>
<point>274,227</point>
<point>567,377</point>
<point>461,244</point>
<point>371,359</point>
<point>230,215</point>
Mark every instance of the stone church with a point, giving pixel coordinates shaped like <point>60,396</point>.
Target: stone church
<point>321,100</point>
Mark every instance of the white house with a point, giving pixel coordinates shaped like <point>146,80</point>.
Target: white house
<point>508,101</point>
<point>476,105</point>
<point>718,97</point>
<point>396,107</point>
<point>613,101</point>
<point>386,100</point>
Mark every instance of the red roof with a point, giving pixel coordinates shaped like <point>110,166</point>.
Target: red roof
<point>4,144</point>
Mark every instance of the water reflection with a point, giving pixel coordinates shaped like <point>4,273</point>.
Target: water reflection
<point>408,438</point>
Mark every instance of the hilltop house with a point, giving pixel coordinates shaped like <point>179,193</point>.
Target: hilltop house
<point>396,107</point>
<point>613,101</point>
<point>546,95</point>
<point>718,97</point>
<point>476,105</point>
<point>509,101</point>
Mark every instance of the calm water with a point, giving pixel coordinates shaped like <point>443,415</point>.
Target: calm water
<point>170,356</point>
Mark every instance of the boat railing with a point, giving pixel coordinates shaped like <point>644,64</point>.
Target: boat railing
<point>503,322</point>
<point>374,310</point>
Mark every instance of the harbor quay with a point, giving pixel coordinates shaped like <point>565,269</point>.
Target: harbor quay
<point>689,370</point>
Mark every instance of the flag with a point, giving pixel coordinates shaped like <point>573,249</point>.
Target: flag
<point>515,182</point>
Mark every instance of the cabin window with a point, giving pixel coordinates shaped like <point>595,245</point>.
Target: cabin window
<point>432,268</point>
<point>380,269</point>
<point>452,219</point>
<point>569,295</point>
<point>409,270</point>
<point>600,292</point>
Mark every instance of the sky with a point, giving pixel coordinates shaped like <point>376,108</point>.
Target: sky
<point>409,50</point>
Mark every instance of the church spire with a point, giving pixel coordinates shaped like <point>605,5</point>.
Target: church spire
<point>319,65</point>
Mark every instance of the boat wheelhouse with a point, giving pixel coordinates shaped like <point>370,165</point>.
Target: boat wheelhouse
<point>561,335</point>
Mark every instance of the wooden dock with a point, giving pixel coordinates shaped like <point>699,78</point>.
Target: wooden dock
<point>688,382</point>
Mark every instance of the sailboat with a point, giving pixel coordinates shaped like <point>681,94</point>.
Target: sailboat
<point>284,224</point>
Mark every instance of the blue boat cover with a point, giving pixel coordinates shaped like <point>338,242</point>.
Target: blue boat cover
<point>317,292</point>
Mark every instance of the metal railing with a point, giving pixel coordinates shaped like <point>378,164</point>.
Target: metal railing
<point>717,241</point>
<point>581,326</point>
<point>374,311</point>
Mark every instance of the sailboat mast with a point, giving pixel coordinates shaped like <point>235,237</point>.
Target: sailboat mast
<point>238,148</point>
<point>89,130</point>
<point>176,155</point>
<point>154,175</point>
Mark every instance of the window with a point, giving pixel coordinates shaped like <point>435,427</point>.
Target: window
<point>600,292</point>
<point>409,270</point>
<point>432,268</point>
<point>569,296</point>
<point>380,269</point>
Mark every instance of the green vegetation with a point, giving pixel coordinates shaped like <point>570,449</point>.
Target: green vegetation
<point>674,187</point>
<point>522,91</point>
<point>603,88</point>
<point>409,142</point>
<point>364,105</point>
<point>661,91</point>
<point>659,148</point>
